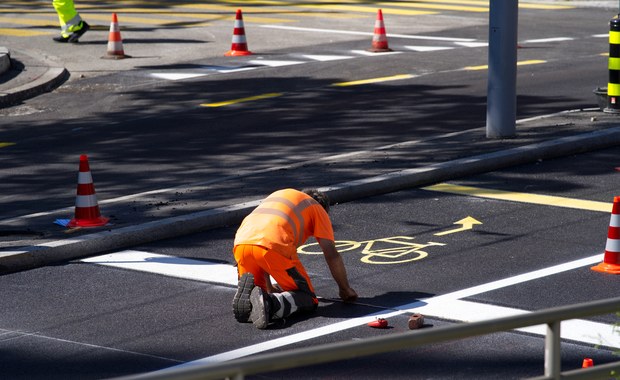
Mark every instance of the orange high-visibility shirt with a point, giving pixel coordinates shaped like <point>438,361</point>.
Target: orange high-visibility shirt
<point>284,221</point>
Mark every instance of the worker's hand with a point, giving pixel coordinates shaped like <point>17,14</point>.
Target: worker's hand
<point>348,295</point>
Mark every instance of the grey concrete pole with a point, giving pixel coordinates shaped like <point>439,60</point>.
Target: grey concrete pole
<point>501,91</point>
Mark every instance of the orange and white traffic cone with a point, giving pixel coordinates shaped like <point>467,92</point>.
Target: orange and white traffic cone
<point>115,42</point>
<point>86,207</point>
<point>379,40</point>
<point>611,260</point>
<point>239,43</point>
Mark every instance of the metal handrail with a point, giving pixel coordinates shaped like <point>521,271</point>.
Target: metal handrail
<point>271,362</point>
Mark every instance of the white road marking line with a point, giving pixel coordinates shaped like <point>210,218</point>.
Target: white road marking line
<point>326,58</point>
<point>543,40</point>
<point>356,33</point>
<point>373,54</point>
<point>226,69</point>
<point>171,266</point>
<point>176,76</point>
<point>428,48</point>
<point>21,334</point>
<point>576,330</point>
<point>472,44</point>
<point>448,306</point>
<point>272,63</point>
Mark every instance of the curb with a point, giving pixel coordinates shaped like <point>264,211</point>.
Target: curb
<point>89,245</point>
<point>5,60</point>
<point>53,76</point>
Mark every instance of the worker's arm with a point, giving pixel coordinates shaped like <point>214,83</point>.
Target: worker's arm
<point>337,269</point>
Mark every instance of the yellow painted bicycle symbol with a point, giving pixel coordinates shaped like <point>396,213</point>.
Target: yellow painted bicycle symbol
<point>391,250</point>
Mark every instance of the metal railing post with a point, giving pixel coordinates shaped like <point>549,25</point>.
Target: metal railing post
<point>553,361</point>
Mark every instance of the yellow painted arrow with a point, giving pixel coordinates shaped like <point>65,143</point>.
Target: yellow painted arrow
<point>466,224</point>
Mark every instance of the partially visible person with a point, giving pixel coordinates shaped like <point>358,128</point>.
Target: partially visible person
<point>72,27</point>
<point>266,245</point>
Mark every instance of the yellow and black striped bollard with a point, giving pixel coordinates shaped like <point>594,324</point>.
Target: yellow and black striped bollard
<point>613,86</point>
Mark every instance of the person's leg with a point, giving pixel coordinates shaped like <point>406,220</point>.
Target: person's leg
<point>297,295</point>
<point>72,26</point>
<point>249,274</point>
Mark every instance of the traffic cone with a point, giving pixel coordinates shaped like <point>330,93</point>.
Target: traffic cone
<point>239,44</point>
<point>86,208</point>
<point>611,260</point>
<point>587,363</point>
<point>379,40</point>
<point>115,42</point>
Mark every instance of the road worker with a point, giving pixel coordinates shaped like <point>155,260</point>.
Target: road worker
<point>72,27</point>
<point>266,245</point>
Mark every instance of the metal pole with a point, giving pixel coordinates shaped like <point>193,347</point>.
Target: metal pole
<point>501,91</point>
<point>553,363</point>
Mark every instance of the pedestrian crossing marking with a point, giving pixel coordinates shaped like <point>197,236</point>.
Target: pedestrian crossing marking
<point>366,9</point>
<point>214,12</point>
<point>29,21</point>
<point>21,33</point>
<point>124,19</point>
<point>435,6</point>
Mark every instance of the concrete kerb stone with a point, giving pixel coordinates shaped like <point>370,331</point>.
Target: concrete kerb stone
<point>5,59</point>
<point>70,249</point>
<point>89,245</point>
<point>53,75</point>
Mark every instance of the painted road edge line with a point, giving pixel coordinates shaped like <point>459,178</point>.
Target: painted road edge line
<point>513,196</point>
<point>355,33</point>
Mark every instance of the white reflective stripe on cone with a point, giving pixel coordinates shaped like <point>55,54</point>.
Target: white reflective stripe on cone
<point>613,245</point>
<point>84,178</point>
<point>615,220</point>
<point>238,39</point>
<point>86,200</point>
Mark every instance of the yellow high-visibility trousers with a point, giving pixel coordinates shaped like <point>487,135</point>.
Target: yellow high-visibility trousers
<point>67,15</point>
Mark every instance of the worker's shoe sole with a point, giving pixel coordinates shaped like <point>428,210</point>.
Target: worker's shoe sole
<point>260,308</point>
<point>242,306</point>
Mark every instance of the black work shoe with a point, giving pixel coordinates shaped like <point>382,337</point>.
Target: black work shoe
<point>260,308</point>
<point>75,36</point>
<point>241,303</point>
<point>61,39</point>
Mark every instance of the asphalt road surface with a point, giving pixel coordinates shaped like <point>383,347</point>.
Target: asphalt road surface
<point>169,303</point>
<point>305,95</point>
<point>181,113</point>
